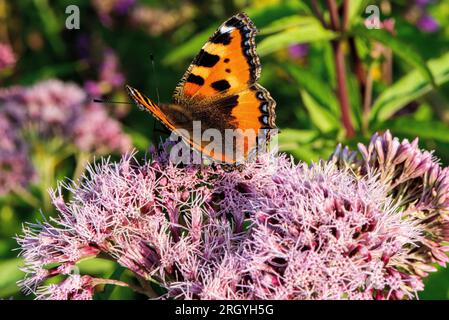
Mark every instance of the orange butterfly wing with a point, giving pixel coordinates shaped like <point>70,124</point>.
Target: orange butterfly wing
<point>228,66</point>
<point>220,89</point>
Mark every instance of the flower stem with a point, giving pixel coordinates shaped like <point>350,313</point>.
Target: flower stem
<point>340,65</point>
<point>100,281</point>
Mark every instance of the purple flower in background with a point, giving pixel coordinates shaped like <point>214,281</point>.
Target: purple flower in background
<point>270,230</point>
<point>7,57</point>
<point>298,51</point>
<point>156,21</point>
<point>52,104</point>
<point>95,130</point>
<point>428,24</point>
<point>15,167</point>
<point>122,7</point>
<point>109,69</point>
<point>419,15</point>
<point>93,88</point>
<point>107,8</point>
<point>110,76</point>
<point>53,108</point>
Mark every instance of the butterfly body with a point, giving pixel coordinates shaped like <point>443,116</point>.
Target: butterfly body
<point>219,92</point>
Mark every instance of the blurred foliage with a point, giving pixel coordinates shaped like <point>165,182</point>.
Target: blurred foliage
<point>397,77</point>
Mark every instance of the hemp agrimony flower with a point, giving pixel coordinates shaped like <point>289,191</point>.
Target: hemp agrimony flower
<point>365,225</point>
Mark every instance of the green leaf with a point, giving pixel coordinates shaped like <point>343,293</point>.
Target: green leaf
<point>423,129</point>
<point>9,275</point>
<point>355,100</point>
<point>96,266</point>
<point>321,92</point>
<point>310,31</point>
<point>410,87</point>
<point>320,117</point>
<point>261,15</point>
<point>294,136</point>
<point>356,8</point>
<point>297,142</point>
<point>190,48</point>
<point>287,23</point>
<point>109,288</point>
<point>51,25</point>
<point>401,49</point>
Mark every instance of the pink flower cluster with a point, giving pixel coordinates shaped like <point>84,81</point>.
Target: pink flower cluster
<point>109,76</point>
<point>48,110</point>
<point>15,169</point>
<point>361,226</point>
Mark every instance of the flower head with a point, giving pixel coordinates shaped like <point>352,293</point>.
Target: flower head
<point>53,108</point>
<point>269,229</point>
<point>417,183</point>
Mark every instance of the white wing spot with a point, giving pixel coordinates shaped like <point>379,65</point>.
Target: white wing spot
<point>225,29</point>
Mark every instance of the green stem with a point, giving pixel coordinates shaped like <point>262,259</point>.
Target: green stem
<point>146,287</point>
<point>100,281</point>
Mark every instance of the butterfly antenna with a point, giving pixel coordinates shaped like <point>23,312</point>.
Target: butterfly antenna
<point>96,100</point>
<point>155,80</point>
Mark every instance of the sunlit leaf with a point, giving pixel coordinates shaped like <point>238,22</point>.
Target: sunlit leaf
<point>96,266</point>
<point>410,87</point>
<point>357,8</point>
<point>261,15</point>
<point>415,128</point>
<point>314,86</point>
<point>290,22</point>
<point>320,117</point>
<point>9,275</point>
<point>311,31</point>
<point>190,48</point>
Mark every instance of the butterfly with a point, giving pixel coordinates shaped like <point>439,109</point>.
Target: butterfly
<point>219,92</point>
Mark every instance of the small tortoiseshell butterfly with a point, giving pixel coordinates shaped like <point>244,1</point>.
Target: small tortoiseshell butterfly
<point>220,90</point>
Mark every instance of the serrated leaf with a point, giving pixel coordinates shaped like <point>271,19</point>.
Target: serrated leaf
<point>410,87</point>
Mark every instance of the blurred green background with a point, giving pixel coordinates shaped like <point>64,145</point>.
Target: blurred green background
<point>333,82</point>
